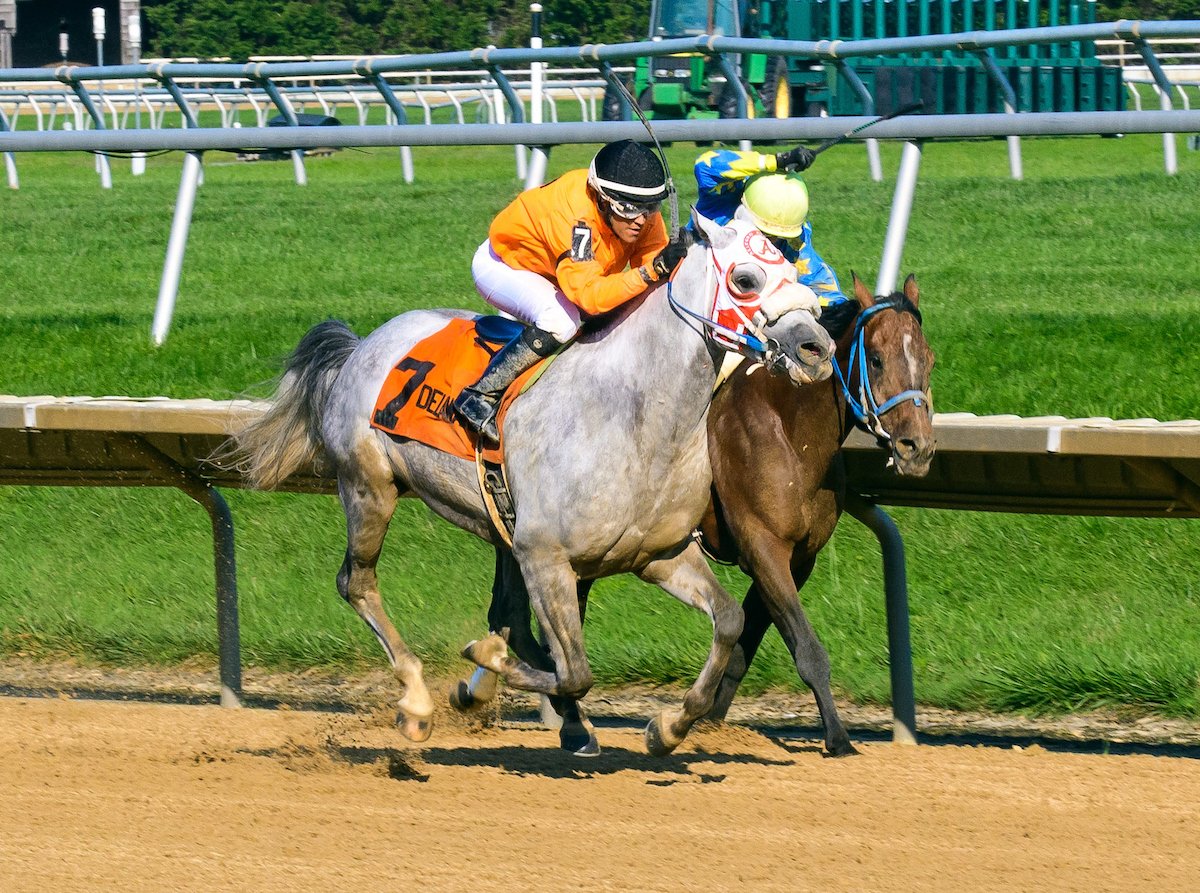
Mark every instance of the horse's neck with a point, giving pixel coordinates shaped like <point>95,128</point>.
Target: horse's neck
<point>650,344</point>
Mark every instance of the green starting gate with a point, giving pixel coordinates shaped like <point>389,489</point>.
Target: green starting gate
<point>1045,77</point>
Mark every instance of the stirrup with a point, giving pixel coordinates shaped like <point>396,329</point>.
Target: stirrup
<point>478,412</point>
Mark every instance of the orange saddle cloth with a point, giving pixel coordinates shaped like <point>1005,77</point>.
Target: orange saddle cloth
<point>415,400</point>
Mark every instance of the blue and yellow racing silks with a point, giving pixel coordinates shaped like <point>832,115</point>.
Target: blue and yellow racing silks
<point>721,176</point>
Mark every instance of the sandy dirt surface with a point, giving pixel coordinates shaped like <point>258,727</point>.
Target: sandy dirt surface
<point>136,796</point>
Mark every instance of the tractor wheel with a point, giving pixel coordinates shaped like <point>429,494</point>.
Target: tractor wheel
<point>776,92</point>
<point>612,103</point>
<point>727,101</point>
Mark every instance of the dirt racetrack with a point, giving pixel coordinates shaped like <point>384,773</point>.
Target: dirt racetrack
<point>106,795</point>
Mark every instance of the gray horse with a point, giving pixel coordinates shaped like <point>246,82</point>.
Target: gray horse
<point>607,462</point>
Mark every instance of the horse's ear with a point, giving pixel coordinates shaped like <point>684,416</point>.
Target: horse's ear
<point>861,292</point>
<point>910,289</point>
<point>713,233</point>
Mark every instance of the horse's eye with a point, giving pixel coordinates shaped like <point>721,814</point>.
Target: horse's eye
<point>876,361</point>
<point>744,281</point>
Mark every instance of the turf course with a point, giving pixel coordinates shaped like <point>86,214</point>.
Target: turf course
<point>1073,293</point>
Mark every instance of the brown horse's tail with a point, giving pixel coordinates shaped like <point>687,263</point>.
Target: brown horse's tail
<point>288,435</point>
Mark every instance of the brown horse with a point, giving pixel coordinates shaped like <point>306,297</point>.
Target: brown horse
<point>779,484</point>
<point>779,487</point>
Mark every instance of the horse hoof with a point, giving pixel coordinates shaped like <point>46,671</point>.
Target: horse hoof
<point>488,652</point>
<point>657,743</point>
<point>841,749</point>
<point>581,743</point>
<point>475,693</point>
<point>461,698</point>
<point>414,728</point>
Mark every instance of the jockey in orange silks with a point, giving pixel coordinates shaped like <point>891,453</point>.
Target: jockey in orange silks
<point>579,246</point>
<point>771,190</point>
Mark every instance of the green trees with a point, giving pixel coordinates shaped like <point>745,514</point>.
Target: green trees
<point>208,28</point>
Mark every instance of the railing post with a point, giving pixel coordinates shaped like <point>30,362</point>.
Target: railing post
<point>895,584</point>
<point>181,222</point>
<point>868,102</point>
<point>1010,108</point>
<point>1170,160</point>
<point>902,202</point>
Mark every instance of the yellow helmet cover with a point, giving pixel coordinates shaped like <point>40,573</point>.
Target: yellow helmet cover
<point>777,203</point>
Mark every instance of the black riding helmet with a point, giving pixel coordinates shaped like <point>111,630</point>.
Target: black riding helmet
<point>626,171</point>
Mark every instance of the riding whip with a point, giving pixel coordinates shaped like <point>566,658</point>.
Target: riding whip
<point>673,199</point>
<point>903,110</point>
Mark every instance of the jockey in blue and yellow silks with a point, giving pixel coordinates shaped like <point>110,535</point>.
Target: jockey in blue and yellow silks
<point>773,193</point>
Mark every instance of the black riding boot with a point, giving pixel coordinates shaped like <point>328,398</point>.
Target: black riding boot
<point>477,404</point>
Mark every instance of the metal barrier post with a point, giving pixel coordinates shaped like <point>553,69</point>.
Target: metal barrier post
<point>289,115</point>
<point>393,102</point>
<point>902,202</point>
<point>1010,107</point>
<point>895,585</point>
<point>168,288</point>
<point>10,164</point>
<point>733,79</point>
<point>229,647</point>
<point>102,166</point>
<point>535,172</point>
<point>1170,160</point>
<point>868,102</point>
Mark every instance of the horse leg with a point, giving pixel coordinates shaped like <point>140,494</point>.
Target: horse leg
<point>688,577</point>
<point>504,614</point>
<point>369,509</point>
<point>553,596</point>
<point>575,731</point>
<point>780,568</point>
<point>509,615</point>
<point>810,656</point>
<point>756,622</point>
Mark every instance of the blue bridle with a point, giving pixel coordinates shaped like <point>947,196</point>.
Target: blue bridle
<point>867,410</point>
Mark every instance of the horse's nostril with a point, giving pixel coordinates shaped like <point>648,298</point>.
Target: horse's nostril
<point>906,447</point>
<point>811,350</point>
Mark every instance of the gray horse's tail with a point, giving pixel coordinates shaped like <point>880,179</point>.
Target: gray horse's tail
<point>288,436</point>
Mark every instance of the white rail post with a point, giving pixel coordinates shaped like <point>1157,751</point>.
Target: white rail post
<point>168,288</point>
<point>535,174</point>
<point>137,162</point>
<point>902,202</point>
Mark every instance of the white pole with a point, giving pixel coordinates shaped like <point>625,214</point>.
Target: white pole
<point>134,26</point>
<point>1015,167</point>
<point>535,174</point>
<point>169,286</point>
<point>902,202</point>
<point>1170,160</point>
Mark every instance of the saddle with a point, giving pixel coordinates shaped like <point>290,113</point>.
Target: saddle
<point>415,400</point>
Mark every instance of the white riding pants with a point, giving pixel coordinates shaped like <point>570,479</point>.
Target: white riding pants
<point>527,296</point>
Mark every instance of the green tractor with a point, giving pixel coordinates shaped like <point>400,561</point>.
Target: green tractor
<point>1064,77</point>
<point>693,85</point>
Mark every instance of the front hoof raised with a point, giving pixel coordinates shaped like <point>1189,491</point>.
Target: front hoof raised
<point>414,728</point>
<point>659,741</point>
<point>488,653</point>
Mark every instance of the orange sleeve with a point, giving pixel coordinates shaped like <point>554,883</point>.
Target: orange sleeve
<point>586,286</point>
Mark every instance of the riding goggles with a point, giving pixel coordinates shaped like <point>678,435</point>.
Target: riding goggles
<point>631,210</point>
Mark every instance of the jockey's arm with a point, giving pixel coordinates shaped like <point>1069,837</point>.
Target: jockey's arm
<point>589,288</point>
<point>812,270</point>
<point>723,171</point>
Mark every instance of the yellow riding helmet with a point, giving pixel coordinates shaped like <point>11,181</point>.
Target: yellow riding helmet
<point>777,203</point>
